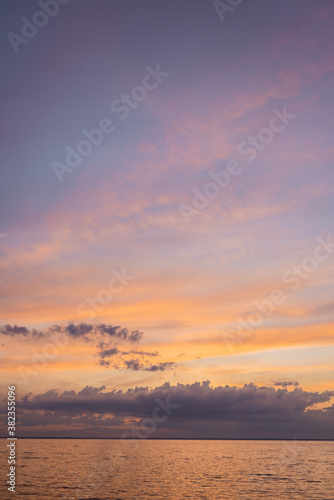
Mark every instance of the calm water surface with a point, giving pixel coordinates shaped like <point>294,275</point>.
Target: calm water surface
<point>131,470</point>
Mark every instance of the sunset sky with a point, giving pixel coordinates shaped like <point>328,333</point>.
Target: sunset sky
<point>134,269</point>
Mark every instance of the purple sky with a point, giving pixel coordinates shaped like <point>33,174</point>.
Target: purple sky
<point>192,241</point>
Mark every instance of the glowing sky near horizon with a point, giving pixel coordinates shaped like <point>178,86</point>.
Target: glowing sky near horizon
<point>191,280</point>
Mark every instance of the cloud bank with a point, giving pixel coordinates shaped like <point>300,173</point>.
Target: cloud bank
<point>202,411</point>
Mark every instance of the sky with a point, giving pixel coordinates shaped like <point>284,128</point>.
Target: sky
<point>166,217</point>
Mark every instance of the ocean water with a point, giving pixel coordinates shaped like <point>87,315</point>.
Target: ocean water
<point>161,469</point>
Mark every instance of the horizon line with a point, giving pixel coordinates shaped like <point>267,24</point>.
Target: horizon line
<point>173,439</point>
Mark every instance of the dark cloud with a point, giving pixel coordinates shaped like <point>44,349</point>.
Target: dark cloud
<point>106,353</point>
<point>80,330</point>
<point>46,419</point>
<point>286,383</point>
<point>103,362</point>
<point>142,353</point>
<point>75,331</point>
<point>121,333</point>
<point>120,360</point>
<point>159,367</point>
<point>113,331</point>
<point>133,364</point>
<point>197,399</point>
<point>14,330</point>
<point>105,336</point>
<point>201,410</point>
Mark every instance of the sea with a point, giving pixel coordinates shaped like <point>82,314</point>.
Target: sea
<point>170,469</point>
